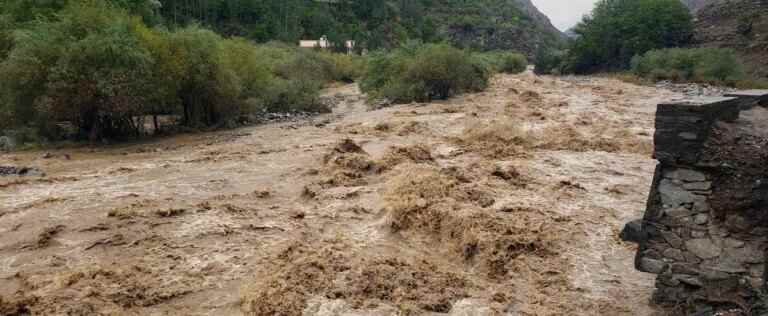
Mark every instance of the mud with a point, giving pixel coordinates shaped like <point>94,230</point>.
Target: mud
<point>486,204</point>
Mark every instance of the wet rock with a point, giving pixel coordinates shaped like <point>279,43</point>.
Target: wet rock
<point>7,143</point>
<point>678,212</point>
<point>703,248</point>
<point>701,219</point>
<point>684,268</point>
<point>700,204</point>
<point>651,265</point>
<point>633,232</point>
<point>757,270</point>
<point>686,175</point>
<point>20,171</point>
<point>689,279</point>
<point>688,136</point>
<point>673,239</point>
<point>746,254</point>
<point>691,258</point>
<point>698,186</point>
<point>707,273</point>
<point>733,243</point>
<point>669,279</point>
<point>674,254</point>
<point>738,223</point>
<point>673,194</point>
<point>698,234</point>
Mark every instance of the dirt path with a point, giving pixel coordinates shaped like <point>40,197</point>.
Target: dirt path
<point>502,202</point>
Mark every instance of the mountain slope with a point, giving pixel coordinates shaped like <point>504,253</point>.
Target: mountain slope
<point>737,24</point>
<point>495,24</point>
<point>696,5</point>
<point>373,24</point>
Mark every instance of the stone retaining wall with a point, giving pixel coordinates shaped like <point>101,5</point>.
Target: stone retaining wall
<point>705,229</point>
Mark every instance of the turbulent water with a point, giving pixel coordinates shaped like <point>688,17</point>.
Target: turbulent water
<point>506,201</point>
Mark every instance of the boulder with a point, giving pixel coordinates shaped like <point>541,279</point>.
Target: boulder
<point>633,232</point>
<point>673,194</point>
<point>7,143</point>
<point>703,248</point>
<point>686,175</point>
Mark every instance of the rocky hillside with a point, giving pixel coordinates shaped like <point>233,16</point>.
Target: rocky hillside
<point>495,24</point>
<point>696,5</point>
<point>737,24</point>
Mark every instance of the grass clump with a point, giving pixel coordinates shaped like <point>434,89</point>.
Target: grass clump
<point>708,65</point>
<point>423,73</point>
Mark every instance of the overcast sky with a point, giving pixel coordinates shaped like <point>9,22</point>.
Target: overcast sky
<point>565,13</point>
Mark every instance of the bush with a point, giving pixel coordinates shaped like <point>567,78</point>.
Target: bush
<point>513,63</point>
<point>617,30</point>
<point>424,73</point>
<point>343,67</point>
<point>549,61</point>
<point>94,66</point>
<point>85,67</point>
<point>499,61</point>
<point>711,65</point>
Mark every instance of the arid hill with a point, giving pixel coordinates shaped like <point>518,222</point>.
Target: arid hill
<point>738,24</point>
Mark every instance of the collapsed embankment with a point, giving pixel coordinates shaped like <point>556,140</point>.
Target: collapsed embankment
<point>704,232</point>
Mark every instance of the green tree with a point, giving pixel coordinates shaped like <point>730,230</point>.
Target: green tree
<point>83,65</point>
<point>617,30</point>
<point>424,72</point>
<point>208,89</point>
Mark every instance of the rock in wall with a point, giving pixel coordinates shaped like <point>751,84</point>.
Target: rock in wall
<point>705,229</point>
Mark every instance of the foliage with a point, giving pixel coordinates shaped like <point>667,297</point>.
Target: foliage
<point>373,24</point>
<point>712,65</point>
<point>423,73</point>
<point>84,67</point>
<point>617,30</point>
<point>752,83</point>
<point>96,66</point>
<point>506,62</point>
<point>343,67</point>
<point>513,63</point>
<point>549,61</point>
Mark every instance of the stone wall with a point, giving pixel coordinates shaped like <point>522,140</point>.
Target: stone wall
<point>705,229</point>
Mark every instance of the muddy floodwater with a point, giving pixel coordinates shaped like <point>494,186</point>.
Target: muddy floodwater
<point>505,202</point>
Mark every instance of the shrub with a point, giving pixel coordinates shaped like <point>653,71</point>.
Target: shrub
<point>549,61</point>
<point>85,67</point>
<point>506,62</point>
<point>343,67</point>
<point>752,83</point>
<point>711,65</point>
<point>423,73</point>
<point>94,66</point>
<point>513,63</point>
<point>6,40</point>
<point>617,30</point>
<point>208,89</point>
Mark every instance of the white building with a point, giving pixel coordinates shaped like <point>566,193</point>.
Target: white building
<point>323,43</point>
